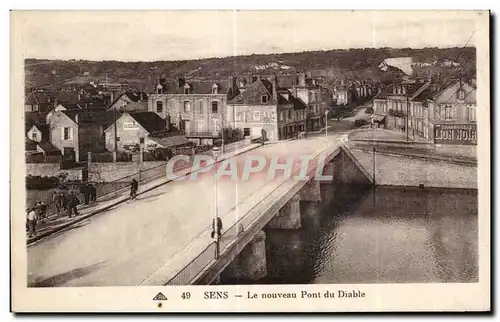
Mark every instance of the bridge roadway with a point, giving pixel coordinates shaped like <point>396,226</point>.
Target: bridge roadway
<point>133,242</point>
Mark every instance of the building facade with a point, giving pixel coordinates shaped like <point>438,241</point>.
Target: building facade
<point>196,108</point>
<point>419,106</point>
<point>134,129</point>
<point>264,107</point>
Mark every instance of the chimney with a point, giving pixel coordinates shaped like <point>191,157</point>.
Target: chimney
<point>76,118</point>
<point>233,86</point>
<point>112,97</point>
<point>167,123</point>
<point>159,89</point>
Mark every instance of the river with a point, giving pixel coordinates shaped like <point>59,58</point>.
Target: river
<point>382,235</point>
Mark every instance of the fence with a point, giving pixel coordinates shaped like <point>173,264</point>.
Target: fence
<point>42,158</point>
<point>143,176</point>
<point>194,267</point>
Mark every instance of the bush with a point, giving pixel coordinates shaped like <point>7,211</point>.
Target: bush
<point>369,110</point>
<point>41,183</point>
<point>231,135</point>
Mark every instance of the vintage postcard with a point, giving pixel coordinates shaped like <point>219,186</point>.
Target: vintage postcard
<point>250,161</point>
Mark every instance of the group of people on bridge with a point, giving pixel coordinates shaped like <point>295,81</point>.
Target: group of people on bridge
<point>63,203</point>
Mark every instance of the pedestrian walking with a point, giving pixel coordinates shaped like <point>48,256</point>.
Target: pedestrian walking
<point>55,202</point>
<point>92,193</point>
<point>72,203</point>
<point>134,186</point>
<point>60,202</point>
<point>84,189</point>
<point>32,219</point>
<point>219,227</point>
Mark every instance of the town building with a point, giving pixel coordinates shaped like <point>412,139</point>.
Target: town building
<point>264,108</point>
<point>75,133</point>
<point>451,104</point>
<point>420,106</point>
<point>312,92</point>
<point>144,131</point>
<point>196,108</point>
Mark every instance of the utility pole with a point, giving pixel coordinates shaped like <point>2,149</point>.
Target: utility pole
<point>326,122</point>
<point>373,149</point>
<point>407,116</point>
<point>115,135</point>
<point>215,151</point>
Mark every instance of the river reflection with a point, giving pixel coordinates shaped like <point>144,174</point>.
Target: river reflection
<point>386,235</point>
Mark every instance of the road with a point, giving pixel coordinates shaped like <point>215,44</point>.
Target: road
<point>130,242</point>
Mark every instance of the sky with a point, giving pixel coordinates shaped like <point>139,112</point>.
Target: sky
<point>180,35</point>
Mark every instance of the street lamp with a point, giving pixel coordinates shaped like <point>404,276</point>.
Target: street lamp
<point>326,122</point>
<point>215,151</point>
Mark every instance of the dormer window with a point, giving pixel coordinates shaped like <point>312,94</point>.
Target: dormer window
<point>215,89</point>
<point>264,99</point>
<point>461,94</point>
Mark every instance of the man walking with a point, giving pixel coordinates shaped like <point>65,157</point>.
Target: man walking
<point>92,192</point>
<point>134,186</point>
<point>72,204</point>
<point>32,217</point>
<point>219,227</point>
<point>84,189</point>
<point>55,202</point>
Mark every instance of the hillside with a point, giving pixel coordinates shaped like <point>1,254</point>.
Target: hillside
<point>351,63</point>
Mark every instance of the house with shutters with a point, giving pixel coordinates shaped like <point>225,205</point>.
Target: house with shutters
<point>419,106</point>
<point>77,132</point>
<point>264,107</point>
<point>142,129</point>
<point>197,107</point>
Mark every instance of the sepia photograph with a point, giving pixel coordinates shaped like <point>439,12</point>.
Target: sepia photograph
<point>345,150</point>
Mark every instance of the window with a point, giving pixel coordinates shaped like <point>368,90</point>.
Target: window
<point>246,131</point>
<point>214,90</point>
<point>238,116</point>
<point>264,99</point>
<point>186,90</point>
<point>187,106</point>
<point>472,113</point>
<point>159,107</point>
<point>289,114</point>
<point>201,108</point>
<point>448,113</point>
<point>256,115</point>
<point>67,133</point>
<point>215,107</point>
<point>33,136</point>
<point>437,111</point>
<point>34,108</point>
<point>461,94</point>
